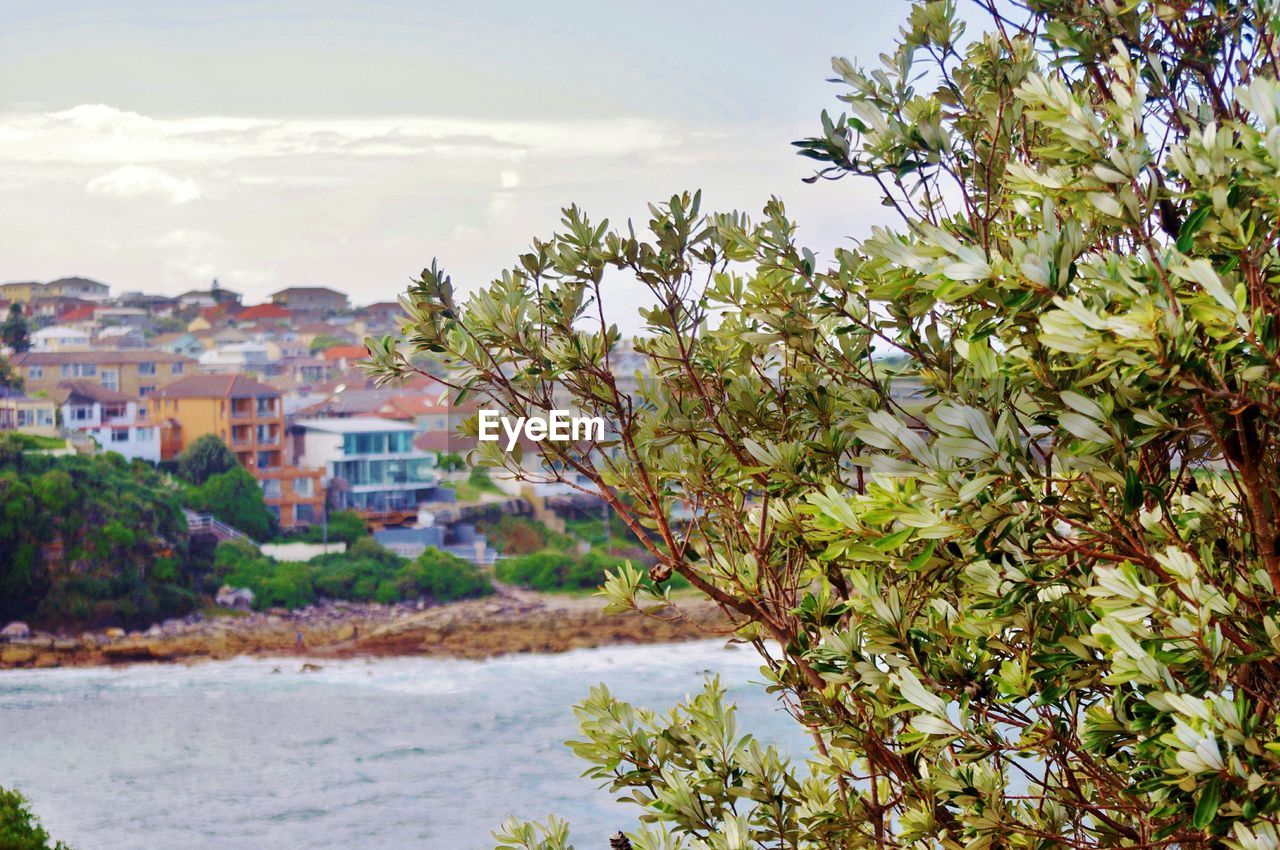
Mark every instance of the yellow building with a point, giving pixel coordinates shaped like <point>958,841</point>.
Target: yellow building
<point>248,417</point>
<point>136,373</point>
<point>21,292</point>
<point>35,416</point>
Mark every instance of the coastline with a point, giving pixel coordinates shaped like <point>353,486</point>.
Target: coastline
<point>511,621</point>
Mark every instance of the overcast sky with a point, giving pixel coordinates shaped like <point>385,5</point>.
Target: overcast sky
<point>157,145</point>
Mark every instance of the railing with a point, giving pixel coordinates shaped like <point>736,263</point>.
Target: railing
<point>210,524</point>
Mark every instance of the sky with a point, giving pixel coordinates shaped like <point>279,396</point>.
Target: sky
<point>155,146</point>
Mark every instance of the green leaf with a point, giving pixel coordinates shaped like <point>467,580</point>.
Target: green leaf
<point>1207,805</point>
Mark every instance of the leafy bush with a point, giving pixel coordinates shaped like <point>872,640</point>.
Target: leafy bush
<point>367,572</point>
<point>19,828</point>
<point>206,457</point>
<point>236,498</point>
<point>518,535</point>
<point>442,577</point>
<point>345,526</point>
<point>551,570</point>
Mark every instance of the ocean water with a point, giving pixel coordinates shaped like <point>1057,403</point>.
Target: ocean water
<point>394,753</point>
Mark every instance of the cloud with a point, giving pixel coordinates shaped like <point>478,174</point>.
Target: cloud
<point>510,179</point>
<point>130,182</point>
<point>98,134</point>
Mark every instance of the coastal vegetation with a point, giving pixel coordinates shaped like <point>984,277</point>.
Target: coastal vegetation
<point>1021,587</point>
<point>366,572</point>
<point>19,828</point>
<point>134,569</point>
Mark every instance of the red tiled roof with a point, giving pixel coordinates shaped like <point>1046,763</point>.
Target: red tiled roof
<point>89,390</point>
<point>79,314</point>
<point>263,311</point>
<point>349,352</point>
<point>217,386</point>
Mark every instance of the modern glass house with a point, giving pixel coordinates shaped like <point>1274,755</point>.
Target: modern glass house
<point>371,463</point>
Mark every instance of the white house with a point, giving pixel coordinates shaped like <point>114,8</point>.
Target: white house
<point>111,418</point>
<point>235,358</point>
<point>371,462</point>
<point>60,338</point>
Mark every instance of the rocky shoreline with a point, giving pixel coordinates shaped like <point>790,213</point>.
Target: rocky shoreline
<point>511,622</point>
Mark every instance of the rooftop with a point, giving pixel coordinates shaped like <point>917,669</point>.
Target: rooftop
<point>353,425</point>
<point>66,390</point>
<point>217,386</point>
<point>57,358</point>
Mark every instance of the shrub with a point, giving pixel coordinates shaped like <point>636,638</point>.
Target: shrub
<point>442,577</point>
<point>19,828</point>
<point>205,457</point>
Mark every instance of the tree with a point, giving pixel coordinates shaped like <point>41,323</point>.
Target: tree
<point>235,498</point>
<point>1020,586</point>
<point>14,332</point>
<point>9,378</point>
<point>205,457</point>
<point>19,828</point>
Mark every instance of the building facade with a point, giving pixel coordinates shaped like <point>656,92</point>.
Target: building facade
<point>248,417</point>
<point>112,419</point>
<point>312,299</point>
<point>135,373</point>
<point>371,463</point>
<point>26,415</point>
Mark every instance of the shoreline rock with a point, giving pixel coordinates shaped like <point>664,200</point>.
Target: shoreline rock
<point>513,621</point>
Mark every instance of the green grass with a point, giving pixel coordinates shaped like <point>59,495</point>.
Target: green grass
<point>35,442</point>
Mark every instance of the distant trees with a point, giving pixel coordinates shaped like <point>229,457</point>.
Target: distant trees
<point>9,377</point>
<point>205,457</point>
<point>14,331</point>
<point>90,540</point>
<point>366,572</point>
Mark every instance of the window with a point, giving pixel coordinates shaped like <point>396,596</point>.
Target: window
<point>146,391</point>
<point>271,488</point>
<point>44,417</point>
<point>119,435</point>
<point>304,513</point>
<point>304,487</point>
<point>78,370</point>
<point>35,373</point>
<point>25,417</point>
<point>82,413</point>
<point>265,460</point>
<point>176,368</point>
<point>145,435</point>
<point>146,368</point>
<point>111,379</point>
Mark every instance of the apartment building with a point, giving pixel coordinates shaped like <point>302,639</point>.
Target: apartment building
<point>112,419</point>
<point>135,373</point>
<point>248,417</point>
<point>372,462</point>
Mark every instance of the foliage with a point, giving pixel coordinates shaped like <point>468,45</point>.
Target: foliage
<point>517,535</point>
<point>9,377</point>
<point>15,333</point>
<point>552,569</point>
<point>19,828</point>
<point>367,572</point>
<point>443,577</point>
<point>346,526</point>
<point>205,457</point>
<point>90,540</point>
<point>235,497</point>
<point>1021,587</point>
<point>451,462</point>
<point>324,342</point>
<point>479,479</point>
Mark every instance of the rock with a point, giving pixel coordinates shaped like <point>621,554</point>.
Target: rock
<point>66,644</point>
<point>16,630</point>
<point>310,668</point>
<point>114,633</point>
<point>12,655</point>
<point>47,659</point>
<point>239,598</point>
